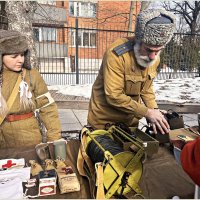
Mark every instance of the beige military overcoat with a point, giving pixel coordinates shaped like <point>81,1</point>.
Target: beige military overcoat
<point>122,91</point>
<point>26,132</point>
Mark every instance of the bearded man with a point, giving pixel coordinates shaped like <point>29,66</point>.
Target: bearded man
<point>123,90</point>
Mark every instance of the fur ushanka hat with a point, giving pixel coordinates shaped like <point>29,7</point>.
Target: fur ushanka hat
<point>12,42</point>
<point>155,27</point>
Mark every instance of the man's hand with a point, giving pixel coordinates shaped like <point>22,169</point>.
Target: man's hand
<point>158,121</point>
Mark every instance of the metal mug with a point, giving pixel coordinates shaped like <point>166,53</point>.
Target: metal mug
<point>43,153</point>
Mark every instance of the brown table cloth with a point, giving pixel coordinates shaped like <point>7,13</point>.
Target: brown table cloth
<point>162,176</point>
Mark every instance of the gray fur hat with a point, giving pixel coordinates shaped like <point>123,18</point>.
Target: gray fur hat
<point>155,27</point>
<point>12,42</point>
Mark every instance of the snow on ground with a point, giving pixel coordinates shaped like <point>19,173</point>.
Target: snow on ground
<point>178,90</point>
<point>185,90</point>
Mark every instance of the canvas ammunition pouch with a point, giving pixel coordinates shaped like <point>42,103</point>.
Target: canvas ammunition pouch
<point>114,174</point>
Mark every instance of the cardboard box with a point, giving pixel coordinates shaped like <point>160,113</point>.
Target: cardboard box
<point>67,181</point>
<point>47,182</point>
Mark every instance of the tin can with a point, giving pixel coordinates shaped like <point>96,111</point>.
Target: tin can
<point>60,149</point>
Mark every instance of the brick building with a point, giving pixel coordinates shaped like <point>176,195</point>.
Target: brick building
<point>93,16</point>
<point>76,33</point>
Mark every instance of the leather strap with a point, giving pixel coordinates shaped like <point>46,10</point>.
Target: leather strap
<point>13,94</point>
<point>99,181</point>
<point>83,157</point>
<point>12,118</point>
<point>85,166</point>
<point>84,171</point>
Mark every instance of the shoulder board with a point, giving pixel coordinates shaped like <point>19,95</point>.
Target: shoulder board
<point>123,48</point>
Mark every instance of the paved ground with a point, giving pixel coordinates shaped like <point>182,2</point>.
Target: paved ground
<point>73,113</point>
<point>81,103</point>
<point>73,120</point>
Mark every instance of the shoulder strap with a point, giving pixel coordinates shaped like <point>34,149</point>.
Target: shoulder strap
<point>13,95</point>
<point>99,181</point>
<point>123,48</point>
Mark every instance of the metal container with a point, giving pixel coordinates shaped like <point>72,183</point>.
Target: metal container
<point>198,118</point>
<point>60,149</point>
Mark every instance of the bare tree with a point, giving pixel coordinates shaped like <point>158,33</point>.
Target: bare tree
<point>130,22</point>
<point>125,17</point>
<point>128,16</point>
<point>112,14</point>
<point>188,10</point>
<point>182,45</point>
<point>3,18</point>
<point>20,16</point>
<point>145,5</point>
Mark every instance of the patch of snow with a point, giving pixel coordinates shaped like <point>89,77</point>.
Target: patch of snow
<point>185,90</point>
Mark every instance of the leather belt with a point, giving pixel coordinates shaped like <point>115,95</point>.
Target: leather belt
<point>12,118</point>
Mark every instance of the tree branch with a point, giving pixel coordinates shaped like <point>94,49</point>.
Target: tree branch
<point>190,12</point>
<point>186,3</point>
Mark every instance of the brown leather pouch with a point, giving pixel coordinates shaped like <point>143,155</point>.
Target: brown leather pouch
<point>174,119</point>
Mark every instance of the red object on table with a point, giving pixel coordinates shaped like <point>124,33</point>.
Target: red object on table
<point>190,160</point>
<point>9,164</point>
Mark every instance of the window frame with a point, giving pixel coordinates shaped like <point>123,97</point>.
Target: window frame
<point>78,9</point>
<point>73,39</point>
<point>41,39</point>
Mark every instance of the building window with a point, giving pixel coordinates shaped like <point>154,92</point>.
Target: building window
<point>48,34</point>
<point>82,9</point>
<point>85,38</point>
<point>44,34</point>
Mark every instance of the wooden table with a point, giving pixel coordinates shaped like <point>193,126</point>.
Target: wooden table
<point>162,176</point>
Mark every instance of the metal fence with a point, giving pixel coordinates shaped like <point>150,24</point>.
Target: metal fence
<point>73,55</point>
<point>181,57</point>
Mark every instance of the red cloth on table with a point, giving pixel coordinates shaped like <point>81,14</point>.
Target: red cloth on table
<point>190,160</point>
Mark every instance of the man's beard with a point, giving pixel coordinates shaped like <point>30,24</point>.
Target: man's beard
<point>144,61</point>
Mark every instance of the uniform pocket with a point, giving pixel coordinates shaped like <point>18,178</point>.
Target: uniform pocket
<point>149,81</point>
<point>133,84</point>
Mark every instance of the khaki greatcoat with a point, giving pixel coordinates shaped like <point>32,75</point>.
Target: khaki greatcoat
<point>120,88</point>
<point>26,132</point>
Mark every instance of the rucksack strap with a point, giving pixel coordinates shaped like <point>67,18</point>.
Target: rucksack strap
<point>99,181</point>
<point>13,94</point>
